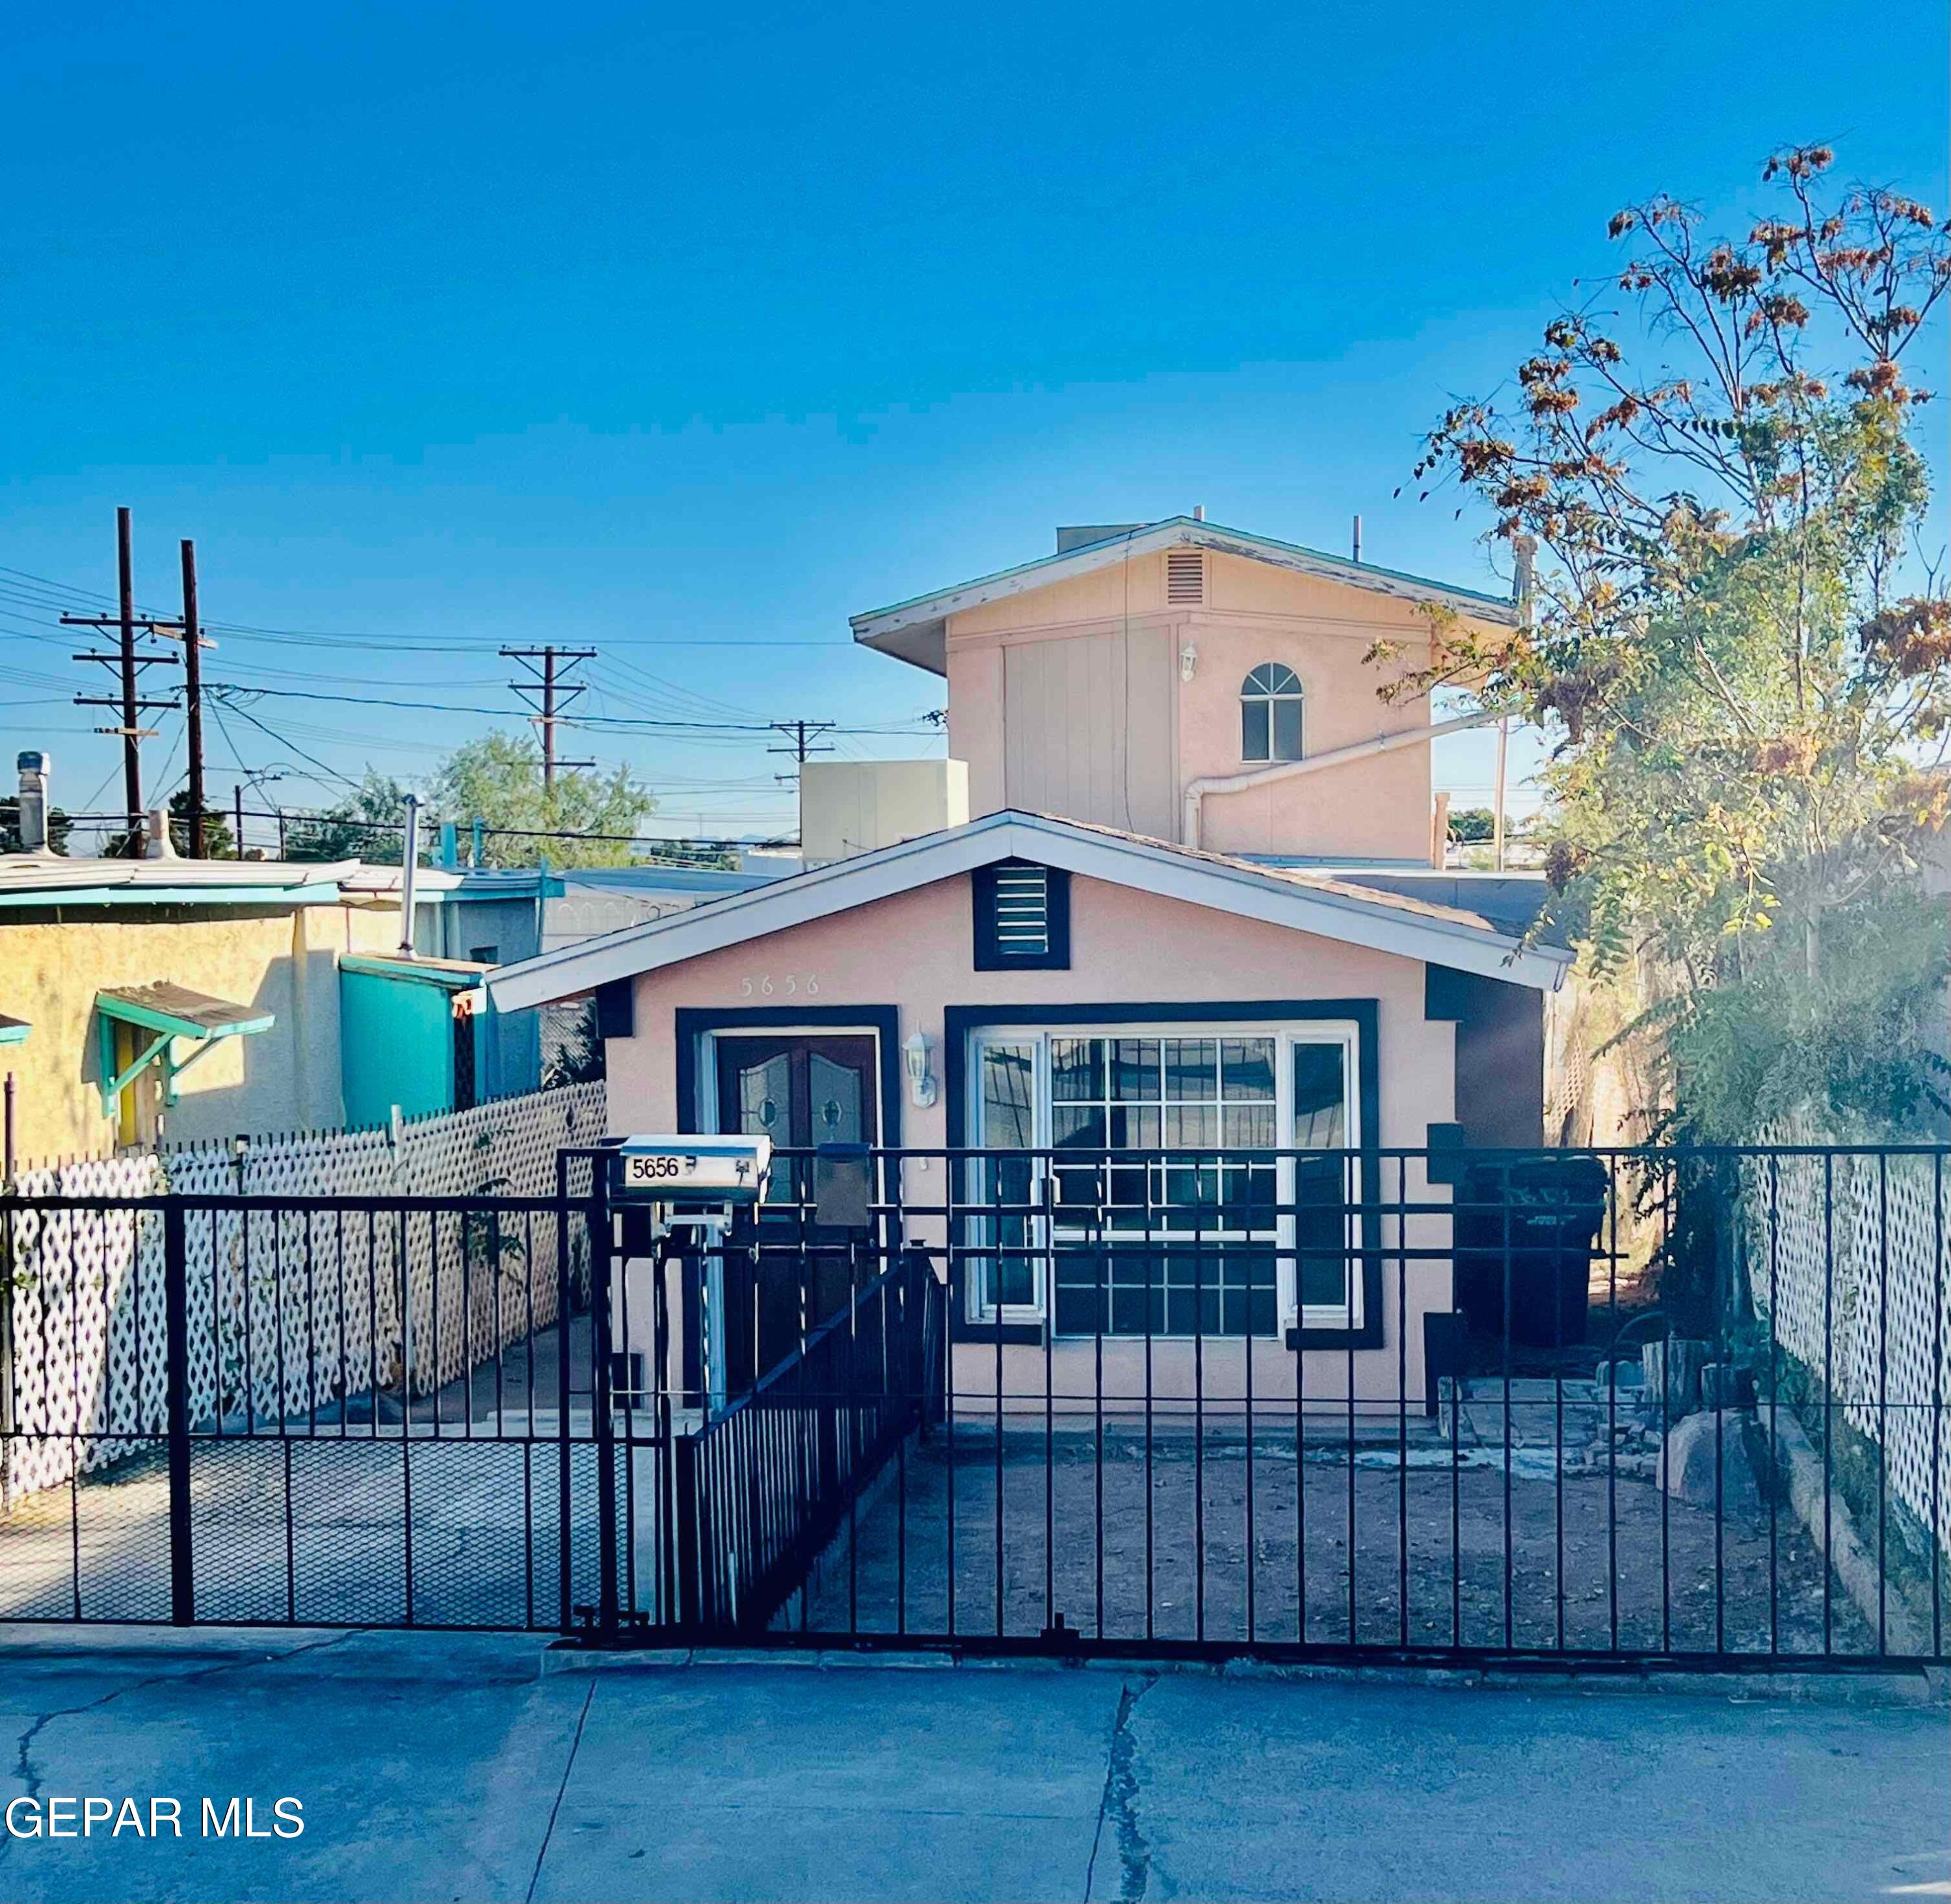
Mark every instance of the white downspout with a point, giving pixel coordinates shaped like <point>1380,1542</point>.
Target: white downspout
<point>1197,790</point>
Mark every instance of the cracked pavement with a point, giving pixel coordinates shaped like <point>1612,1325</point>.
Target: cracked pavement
<point>449,1766</point>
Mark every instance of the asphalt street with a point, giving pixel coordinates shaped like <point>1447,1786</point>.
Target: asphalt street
<point>444,1766</point>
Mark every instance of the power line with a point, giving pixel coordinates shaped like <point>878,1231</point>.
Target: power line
<point>231,689</point>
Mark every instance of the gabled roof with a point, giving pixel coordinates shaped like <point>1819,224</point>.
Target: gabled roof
<point>916,631</point>
<point>1293,897</point>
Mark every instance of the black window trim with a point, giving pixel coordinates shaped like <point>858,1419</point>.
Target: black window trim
<point>958,1021</point>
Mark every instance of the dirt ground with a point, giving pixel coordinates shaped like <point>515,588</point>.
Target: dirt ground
<point>984,1534</point>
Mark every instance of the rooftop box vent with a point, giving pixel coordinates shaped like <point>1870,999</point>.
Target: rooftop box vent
<point>1185,575</point>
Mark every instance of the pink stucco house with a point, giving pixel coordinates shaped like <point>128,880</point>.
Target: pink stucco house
<point>1186,977</point>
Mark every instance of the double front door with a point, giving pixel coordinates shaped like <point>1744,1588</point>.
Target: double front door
<point>801,1090</point>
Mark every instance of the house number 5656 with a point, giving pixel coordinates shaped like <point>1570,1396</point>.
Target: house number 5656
<point>793,985</point>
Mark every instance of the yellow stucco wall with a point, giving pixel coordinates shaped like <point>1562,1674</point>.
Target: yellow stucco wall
<point>283,962</point>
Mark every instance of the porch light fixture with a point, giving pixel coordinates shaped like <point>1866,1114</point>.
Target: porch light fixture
<point>1188,662</point>
<point>914,1054</point>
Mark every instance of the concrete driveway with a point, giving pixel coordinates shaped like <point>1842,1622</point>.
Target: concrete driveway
<point>434,1767</point>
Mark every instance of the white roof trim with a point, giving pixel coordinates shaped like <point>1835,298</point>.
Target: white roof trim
<point>1382,922</point>
<point>915,630</point>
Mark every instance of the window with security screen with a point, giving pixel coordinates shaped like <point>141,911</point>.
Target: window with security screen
<point>1186,1180</point>
<point>1022,917</point>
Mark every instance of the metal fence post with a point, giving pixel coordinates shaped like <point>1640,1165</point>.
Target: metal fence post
<point>689,1557</point>
<point>603,1259</point>
<point>175,1377</point>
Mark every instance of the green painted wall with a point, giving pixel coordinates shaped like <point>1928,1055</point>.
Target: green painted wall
<point>396,1043</point>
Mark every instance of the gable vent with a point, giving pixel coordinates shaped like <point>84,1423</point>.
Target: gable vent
<point>1185,575</point>
<point>1022,912</point>
<point>1022,917</point>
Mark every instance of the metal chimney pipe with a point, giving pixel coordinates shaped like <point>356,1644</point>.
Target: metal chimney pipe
<point>31,821</point>
<point>1358,538</point>
<point>410,859</point>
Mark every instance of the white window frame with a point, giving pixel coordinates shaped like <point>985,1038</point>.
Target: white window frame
<point>1268,698</point>
<point>1286,1034</point>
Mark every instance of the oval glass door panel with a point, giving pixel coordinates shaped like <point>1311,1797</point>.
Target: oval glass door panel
<point>835,1094</point>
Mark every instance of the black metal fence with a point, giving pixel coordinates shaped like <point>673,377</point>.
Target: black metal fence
<point>1632,1405</point>
<point>1629,1404</point>
<point>767,1483</point>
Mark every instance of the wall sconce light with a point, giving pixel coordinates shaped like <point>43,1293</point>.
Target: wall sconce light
<point>921,1079</point>
<point>1188,662</point>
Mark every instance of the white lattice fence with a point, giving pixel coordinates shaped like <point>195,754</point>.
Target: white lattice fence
<point>1847,1259</point>
<point>290,1312</point>
<point>86,1322</point>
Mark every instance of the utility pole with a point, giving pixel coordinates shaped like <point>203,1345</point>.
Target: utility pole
<point>132,741</point>
<point>192,642</point>
<point>127,662</point>
<point>549,681</point>
<point>802,734</point>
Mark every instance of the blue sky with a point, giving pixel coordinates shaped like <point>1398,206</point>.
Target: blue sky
<point>449,327</point>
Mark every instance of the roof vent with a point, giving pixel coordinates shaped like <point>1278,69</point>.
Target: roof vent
<point>1185,575</point>
<point>31,813</point>
<point>1023,911</point>
<point>1022,917</point>
<point>1079,535</point>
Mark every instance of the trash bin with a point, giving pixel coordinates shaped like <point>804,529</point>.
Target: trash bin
<point>1550,1211</point>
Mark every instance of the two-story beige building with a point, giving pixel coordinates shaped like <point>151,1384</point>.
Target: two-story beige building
<point>1192,913</point>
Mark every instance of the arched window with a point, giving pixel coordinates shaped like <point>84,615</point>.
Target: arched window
<point>1270,714</point>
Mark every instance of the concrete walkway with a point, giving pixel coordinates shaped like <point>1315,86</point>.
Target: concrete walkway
<point>432,1767</point>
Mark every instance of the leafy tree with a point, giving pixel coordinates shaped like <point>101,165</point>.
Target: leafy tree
<point>218,842</point>
<point>59,827</point>
<point>356,827</point>
<point>499,780</point>
<point>1727,626</point>
<point>1472,824</point>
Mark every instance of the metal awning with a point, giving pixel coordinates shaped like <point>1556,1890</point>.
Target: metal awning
<point>13,1031</point>
<point>166,1012</point>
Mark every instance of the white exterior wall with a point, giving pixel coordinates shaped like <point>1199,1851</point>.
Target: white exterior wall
<point>851,807</point>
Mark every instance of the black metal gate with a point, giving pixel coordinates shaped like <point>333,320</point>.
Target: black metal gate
<point>361,1410</point>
